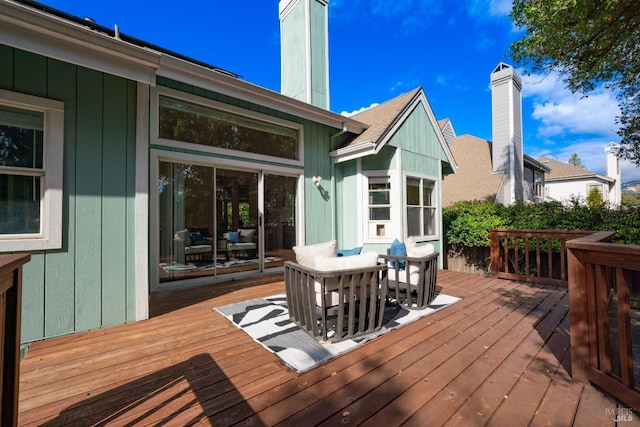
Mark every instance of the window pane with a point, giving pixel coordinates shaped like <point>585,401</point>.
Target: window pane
<point>427,192</point>
<point>429,221</point>
<point>379,198</point>
<point>187,122</point>
<point>413,222</point>
<point>19,204</point>
<point>21,138</point>
<point>413,192</point>
<point>380,214</point>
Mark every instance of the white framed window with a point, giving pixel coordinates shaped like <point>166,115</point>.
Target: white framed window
<point>421,201</point>
<point>31,161</point>
<point>538,185</point>
<point>191,122</point>
<point>379,207</point>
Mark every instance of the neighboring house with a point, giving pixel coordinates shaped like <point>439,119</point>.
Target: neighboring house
<point>566,183</point>
<point>112,148</point>
<point>497,170</point>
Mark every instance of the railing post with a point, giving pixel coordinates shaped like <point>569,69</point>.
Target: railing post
<point>495,252</point>
<point>579,333</point>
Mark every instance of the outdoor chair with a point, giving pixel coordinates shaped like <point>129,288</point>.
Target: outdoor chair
<point>336,304</point>
<point>411,280</point>
<point>186,248</point>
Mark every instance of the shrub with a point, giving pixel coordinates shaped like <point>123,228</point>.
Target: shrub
<point>467,224</point>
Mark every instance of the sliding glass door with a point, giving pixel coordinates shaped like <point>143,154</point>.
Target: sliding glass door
<point>217,221</point>
<point>279,218</point>
<point>237,222</point>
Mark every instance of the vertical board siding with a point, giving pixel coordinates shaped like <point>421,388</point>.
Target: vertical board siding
<point>30,77</point>
<point>59,309</point>
<point>89,232</point>
<point>114,201</point>
<point>131,297</point>
<point>318,200</point>
<point>319,54</point>
<point>90,282</point>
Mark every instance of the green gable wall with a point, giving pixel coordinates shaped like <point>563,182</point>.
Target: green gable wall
<point>420,151</point>
<point>90,282</point>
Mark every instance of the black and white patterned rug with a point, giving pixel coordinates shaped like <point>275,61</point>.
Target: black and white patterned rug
<point>266,320</point>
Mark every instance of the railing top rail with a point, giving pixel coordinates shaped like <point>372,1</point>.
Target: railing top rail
<point>540,233</point>
<point>599,242</point>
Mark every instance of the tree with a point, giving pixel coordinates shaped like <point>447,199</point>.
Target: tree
<point>594,198</point>
<point>575,161</point>
<point>590,43</point>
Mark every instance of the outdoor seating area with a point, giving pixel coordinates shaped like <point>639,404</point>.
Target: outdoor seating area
<point>341,297</point>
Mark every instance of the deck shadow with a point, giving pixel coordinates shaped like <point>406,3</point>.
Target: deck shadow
<point>181,394</point>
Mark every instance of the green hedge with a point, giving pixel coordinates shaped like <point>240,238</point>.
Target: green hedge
<point>467,224</point>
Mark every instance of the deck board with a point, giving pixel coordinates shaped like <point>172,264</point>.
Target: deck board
<point>498,357</point>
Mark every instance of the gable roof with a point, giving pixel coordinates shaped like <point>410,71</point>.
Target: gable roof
<point>447,129</point>
<point>471,183</point>
<point>383,121</point>
<point>561,171</point>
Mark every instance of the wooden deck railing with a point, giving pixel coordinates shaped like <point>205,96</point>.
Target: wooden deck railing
<point>538,256</point>
<point>603,280</point>
<point>10,313</point>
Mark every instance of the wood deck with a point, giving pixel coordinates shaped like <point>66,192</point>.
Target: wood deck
<point>499,357</point>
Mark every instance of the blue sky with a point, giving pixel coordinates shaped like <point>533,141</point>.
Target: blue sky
<point>378,50</point>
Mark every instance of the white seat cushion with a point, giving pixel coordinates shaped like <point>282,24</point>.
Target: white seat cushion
<point>414,277</point>
<point>305,254</point>
<point>421,251</point>
<point>197,249</point>
<point>327,263</point>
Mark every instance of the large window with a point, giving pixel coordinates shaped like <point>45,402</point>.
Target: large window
<point>421,207</point>
<point>197,124</point>
<point>30,172</point>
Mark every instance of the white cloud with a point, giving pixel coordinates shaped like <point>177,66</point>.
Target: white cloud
<point>567,113</point>
<point>500,7</point>
<point>569,123</point>
<point>492,8</point>
<point>352,113</point>
<point>561,113</point>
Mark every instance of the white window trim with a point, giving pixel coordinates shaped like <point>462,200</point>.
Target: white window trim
<point>438,206</point>
<point>396,201</point>
<point>205,102</point>
<point>158,155</point>
<point>50,236</point>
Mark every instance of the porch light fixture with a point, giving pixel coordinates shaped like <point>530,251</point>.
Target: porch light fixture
<point>316,180</point>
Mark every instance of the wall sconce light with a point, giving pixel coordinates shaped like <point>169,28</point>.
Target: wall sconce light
<point>316,180</point>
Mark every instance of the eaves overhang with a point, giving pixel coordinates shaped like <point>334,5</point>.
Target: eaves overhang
<point>53,34</point>
<point>188,72</point>
<point>26,28</point>
<point>351,152</point>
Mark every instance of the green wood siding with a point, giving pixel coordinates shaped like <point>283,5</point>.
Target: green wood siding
<point>417,135</point>
<point>347,203</point>
<point>319,56</point>
<point>90,282</point>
